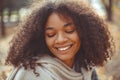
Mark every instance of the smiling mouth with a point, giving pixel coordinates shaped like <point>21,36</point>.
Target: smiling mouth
<point>64,48</point>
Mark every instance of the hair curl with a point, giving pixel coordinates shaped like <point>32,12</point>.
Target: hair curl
<point>29,42</point>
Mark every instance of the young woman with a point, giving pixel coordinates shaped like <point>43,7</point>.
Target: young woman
<point>59,41</point>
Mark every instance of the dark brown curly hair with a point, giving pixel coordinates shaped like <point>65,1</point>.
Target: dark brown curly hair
<point>29,42</point>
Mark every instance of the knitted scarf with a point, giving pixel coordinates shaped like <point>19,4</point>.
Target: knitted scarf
<point>61,71</point>
<point>50,69</point>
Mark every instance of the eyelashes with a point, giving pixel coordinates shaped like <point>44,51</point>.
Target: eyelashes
<point>50,35</point>
<point>70,31</point>
<point>53,34</point>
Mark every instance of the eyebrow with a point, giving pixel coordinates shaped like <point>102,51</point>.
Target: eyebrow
<point>65,25</point>
<point>68,24</point>
<point>49,28</point>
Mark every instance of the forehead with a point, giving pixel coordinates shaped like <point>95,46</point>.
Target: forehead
<point>56,21</point>
<point>62,16</point>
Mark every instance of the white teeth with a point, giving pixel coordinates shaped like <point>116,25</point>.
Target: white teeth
<point>65,48</point>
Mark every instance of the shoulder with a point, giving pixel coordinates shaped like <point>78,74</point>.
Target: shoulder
<point>90,74</point>
<point>20,73</point>
<point>94,75</point>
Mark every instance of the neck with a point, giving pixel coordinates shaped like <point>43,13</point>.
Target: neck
<point>69,63</point>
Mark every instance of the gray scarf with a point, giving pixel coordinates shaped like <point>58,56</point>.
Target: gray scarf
<point>50,69</point>
<point>61,71</point>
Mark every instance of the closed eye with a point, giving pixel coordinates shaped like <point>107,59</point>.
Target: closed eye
<point>69,31</point>
<point>50,35</point>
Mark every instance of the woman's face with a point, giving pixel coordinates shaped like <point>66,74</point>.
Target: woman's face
<point>62,38</point>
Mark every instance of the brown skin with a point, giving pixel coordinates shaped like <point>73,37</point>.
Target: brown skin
<point>96,44</point>
<point>62,38</point>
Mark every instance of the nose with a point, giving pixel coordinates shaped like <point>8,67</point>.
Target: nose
<point>61,38</point>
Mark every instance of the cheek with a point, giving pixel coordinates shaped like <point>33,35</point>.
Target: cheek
<point>75,37</point>
<point>49,42</point>
<point>77,40</point>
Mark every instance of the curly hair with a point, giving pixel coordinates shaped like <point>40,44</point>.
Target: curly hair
<point>29,42</point>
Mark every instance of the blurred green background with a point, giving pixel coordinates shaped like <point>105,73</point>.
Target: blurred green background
<point>13,11</point>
